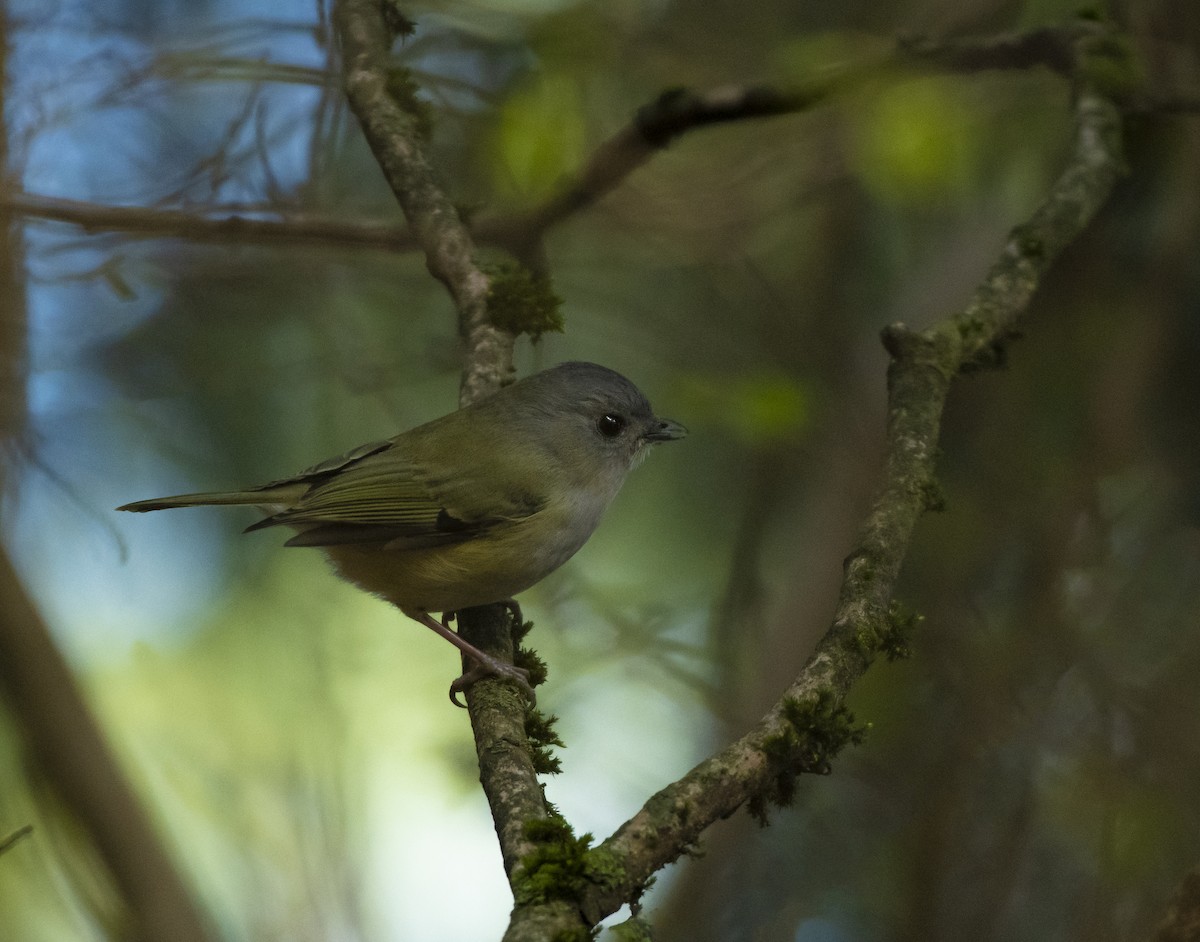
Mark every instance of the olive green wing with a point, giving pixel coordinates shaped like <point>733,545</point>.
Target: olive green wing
<point>330,466</point>
<point>389,495</point>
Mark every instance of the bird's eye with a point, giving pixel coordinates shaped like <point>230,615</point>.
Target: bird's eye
<point>611,425</point>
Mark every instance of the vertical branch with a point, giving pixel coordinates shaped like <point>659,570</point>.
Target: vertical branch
<point>497,713</point>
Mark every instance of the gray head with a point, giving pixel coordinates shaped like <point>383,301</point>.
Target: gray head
<point>593,409</point>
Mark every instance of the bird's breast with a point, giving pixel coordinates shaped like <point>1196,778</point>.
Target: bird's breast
<point>494,565</point>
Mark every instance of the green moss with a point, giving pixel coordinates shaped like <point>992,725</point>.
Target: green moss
<point>993,356</point>
<point>400,25</point>
<point>974,329</point>
<point>556,869</point>
<point>403,91</point>
<point>633,929</point>
<point>933,497</point>
<point>523,657</point>
<point>828,727</point>
<point>518,626</point>
<point>815,731</point>
<point>561,866</point>
<point>606,869</point>
<point>1108,62</point>
<point>578,934</point>
<point>539,730</point>
<point>864,641</point>
<point>1029,244</point>
<point>522,302</point>
<point>901,623</point>
<point>971,327</point>
<point>529,659</point>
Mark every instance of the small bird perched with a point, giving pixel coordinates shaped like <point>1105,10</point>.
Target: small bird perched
<point>471,508</point>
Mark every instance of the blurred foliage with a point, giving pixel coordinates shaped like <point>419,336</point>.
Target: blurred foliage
<point>920,141</point>
<point>1029,772</point>
<point>754,407</point>
<point>540,138</point>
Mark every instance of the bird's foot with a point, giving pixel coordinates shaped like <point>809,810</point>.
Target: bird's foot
<point>488,666</point>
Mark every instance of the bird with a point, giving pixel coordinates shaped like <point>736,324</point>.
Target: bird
<point>471,508</point>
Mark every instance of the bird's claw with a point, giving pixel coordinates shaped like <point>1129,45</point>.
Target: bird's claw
<point>493,668</point>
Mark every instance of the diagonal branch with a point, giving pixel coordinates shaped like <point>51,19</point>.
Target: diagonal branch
<point>656,125</point>
<point>396,140</point>
<point>922,368</point>
<point>653,128</point>
<point>11,841</point>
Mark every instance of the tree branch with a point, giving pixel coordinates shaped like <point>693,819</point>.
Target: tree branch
<point>395,139</point>
<point>922,368</point>
<point>652,129</point>
<point>1054,48</point>
<point>496,710</point>
<point>675,112</point>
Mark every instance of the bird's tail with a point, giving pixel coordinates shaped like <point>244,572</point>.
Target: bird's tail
<point>264,497</point>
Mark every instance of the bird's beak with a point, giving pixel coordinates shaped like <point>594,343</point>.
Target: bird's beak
<point>665,431</point>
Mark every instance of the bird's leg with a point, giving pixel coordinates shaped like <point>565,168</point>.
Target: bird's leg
<point>485,664</point>
<point>478,671</point>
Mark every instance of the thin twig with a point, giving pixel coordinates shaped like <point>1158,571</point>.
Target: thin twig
<point>653,128</point>
<point>15,837</point>
<point>657,125</point>
<point>209,226</point>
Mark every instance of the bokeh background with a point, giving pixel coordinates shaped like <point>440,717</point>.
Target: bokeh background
<point>1031,772</point>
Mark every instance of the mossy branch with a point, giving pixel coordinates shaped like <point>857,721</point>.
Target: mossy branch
<point>808,723</point>
<point>7,843</point>
<point>563,885</point>
<point>396,129</point>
